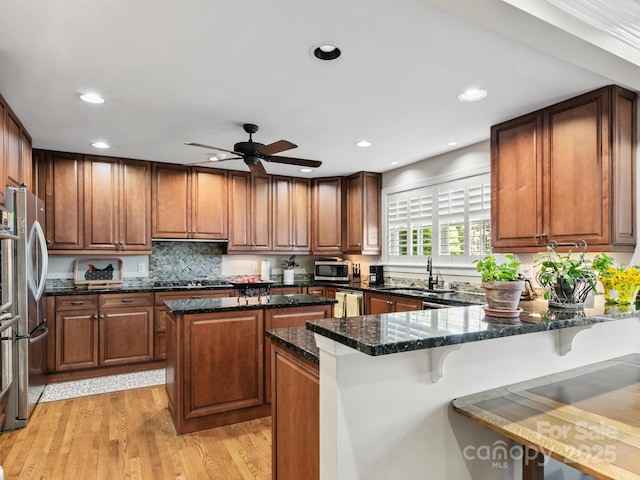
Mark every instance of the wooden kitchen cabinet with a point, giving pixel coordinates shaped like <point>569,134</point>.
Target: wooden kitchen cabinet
<point>160,313</point>
<point>317,291</point>
<point>364,213</point>
<point>328,215</point>
<point>126,328</point>
<point>117,204</point>
<point>64,201</point>
<point>291,214</point>
<point>189,202</point>
<point>15,152</point>
<point>566,172</point>
<point>76,331</point>
<point>377,303</point>
<point>295,417</point>
<point>283,318</point>
<point>103,330</point>
<point>250,213</point>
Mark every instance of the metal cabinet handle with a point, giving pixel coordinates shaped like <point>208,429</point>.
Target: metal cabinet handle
<point>127,300</point>
<point>196,296</point>
<point>77,302</point>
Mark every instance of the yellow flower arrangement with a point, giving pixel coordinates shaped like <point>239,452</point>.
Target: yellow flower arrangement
<point>621,284</point>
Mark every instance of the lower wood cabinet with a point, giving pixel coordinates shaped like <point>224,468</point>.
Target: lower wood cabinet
<point>160,314</point>
<point>288,317</point>
<point>102,330</point>
<point>317,291</point>
<point>295,417</point>
<point>377,303</point>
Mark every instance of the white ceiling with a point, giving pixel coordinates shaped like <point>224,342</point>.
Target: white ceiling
<point>195,71</point>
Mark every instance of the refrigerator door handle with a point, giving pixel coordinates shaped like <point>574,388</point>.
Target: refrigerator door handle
<point>39,334</point>
<point>36,232</point>
<point>9,324</point>
<point>7,267</point>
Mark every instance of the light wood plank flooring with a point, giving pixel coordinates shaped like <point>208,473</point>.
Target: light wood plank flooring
<point>129,434</point>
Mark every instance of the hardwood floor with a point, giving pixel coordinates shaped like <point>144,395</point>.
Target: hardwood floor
<point>129,434</point>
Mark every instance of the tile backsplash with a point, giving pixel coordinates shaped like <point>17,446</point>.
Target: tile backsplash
<point>185,260</point>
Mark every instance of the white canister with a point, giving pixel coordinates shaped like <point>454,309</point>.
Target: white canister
<point>287,276</point>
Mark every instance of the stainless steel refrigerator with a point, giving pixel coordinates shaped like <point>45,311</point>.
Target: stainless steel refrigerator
<point>30,273</point>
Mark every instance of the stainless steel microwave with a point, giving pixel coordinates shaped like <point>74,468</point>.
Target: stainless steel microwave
<point>331,270</point>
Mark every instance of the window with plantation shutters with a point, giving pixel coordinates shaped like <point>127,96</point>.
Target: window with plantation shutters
<point>448,220</point>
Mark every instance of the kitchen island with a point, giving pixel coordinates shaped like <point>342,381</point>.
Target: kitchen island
<point>216,355</point>
<point>387,382</point>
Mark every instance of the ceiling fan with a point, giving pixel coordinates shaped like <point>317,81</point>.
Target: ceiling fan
<point>253,152</point>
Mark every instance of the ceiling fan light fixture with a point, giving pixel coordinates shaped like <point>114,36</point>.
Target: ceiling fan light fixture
<point>91,98</point>
<point>472,95</point>
<point>100,145</point>
<point>363,143</point>
<point>326,51</point>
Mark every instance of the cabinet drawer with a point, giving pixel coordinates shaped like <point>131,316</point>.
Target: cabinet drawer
<point>186,295</point>
<point>70,302</point>
<point>126,300</point>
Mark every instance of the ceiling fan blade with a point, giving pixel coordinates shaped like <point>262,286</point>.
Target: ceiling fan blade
<point>295,161</point>
<point>211,148</point>
<point>276,147</point>
<point>212,162</point>
<point>257,169</point>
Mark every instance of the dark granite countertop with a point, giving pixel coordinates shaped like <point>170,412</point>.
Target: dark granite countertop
<point>226,304</point>
<point>298,339</point>
<point>400,332</point>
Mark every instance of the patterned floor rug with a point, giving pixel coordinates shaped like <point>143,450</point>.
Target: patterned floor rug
<point>93,386</point>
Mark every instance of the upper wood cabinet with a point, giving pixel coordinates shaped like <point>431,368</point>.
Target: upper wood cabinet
<point>363,213</point>
<point>291,214</point>
<point>250,211</point>
<point>117,204</point>
<point>64,200</point>
<point>189,202</point>
<point>328,215</point>
<point>15,152</point>
<point>565,173</point>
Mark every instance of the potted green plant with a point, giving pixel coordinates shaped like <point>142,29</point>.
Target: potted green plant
<point>621,283</point>
<point>501,283</point>
<point>566,280</point>
<point>288,264</point>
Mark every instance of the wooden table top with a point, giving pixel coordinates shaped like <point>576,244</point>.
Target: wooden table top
<point>588,418</point>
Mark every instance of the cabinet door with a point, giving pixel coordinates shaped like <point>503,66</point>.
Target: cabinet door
<point>26,164</point>
<point>171,206</point>
<point>135,206</point>
<point>209,203</point>
<point>576,169</point>
<point>239,211</point>
<point>283,318</point>
<point>516,182</point>
<point>296,408</point>
<point>363,213</point>
<point>126,335</point>
<point>217,378</point>
<point>328,204</point>
<point>101,203</point>
<point>13,148</point>
<point>64,201</point>
<point>377,303</point>
<point>260,219</point>
<point>76,339</point>
<point>402,304</point>
<point>291,214</point>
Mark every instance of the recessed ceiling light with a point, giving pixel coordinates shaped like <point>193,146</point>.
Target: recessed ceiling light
<point>91,98</point>
<point>100,145</point>
<point>393,163</point>
<point>213,158</point>
<point>306,170</point>
<point>363,143</point>
<point>326,51</point>
<point>472,95</point>
<point>452,144</point>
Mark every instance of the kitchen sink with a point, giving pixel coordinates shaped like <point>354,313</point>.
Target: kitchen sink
<point>415,290</point>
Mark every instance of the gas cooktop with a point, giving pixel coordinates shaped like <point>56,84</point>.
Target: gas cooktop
<point>164,284</point>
